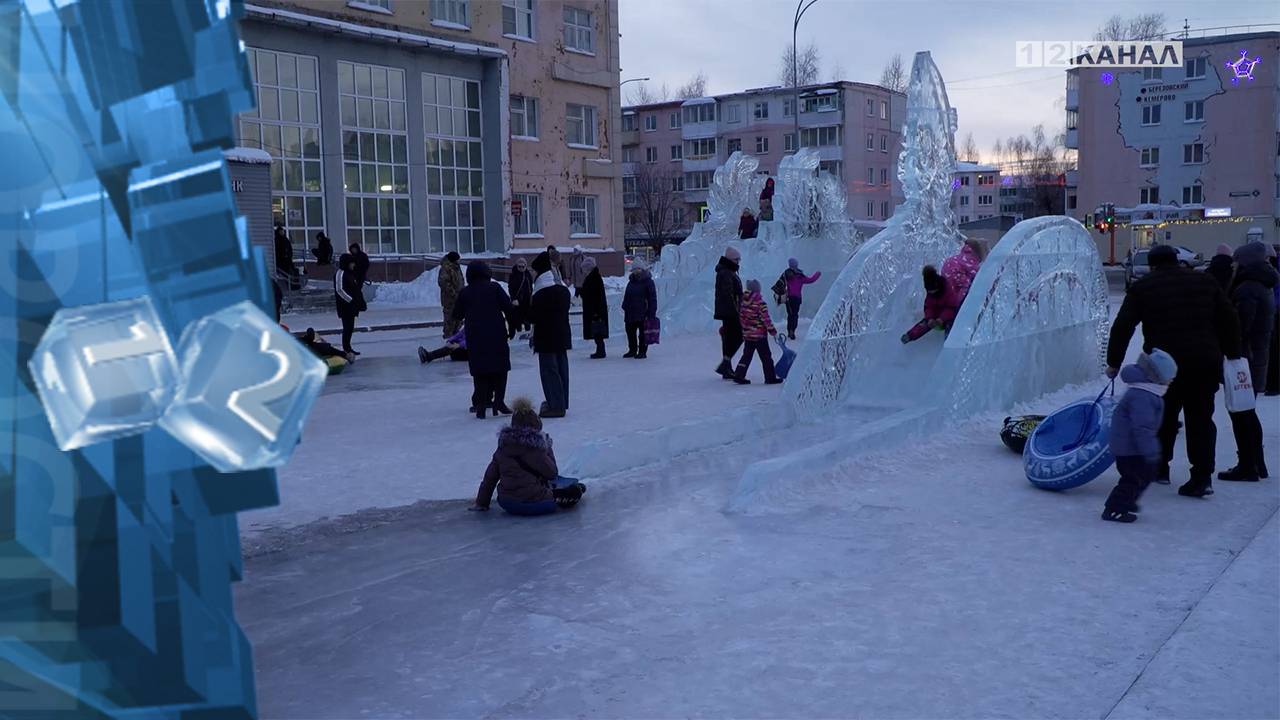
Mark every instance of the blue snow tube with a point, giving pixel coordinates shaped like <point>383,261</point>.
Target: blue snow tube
<point>1071,447</point>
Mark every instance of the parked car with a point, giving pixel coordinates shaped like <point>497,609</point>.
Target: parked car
<point>1136,265</point>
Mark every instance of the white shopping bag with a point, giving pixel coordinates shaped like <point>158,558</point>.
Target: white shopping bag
<point>1238,384</point>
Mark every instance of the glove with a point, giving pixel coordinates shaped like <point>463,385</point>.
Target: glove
<point>1112,372</point>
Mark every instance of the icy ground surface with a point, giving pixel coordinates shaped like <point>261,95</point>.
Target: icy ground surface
<point>926,581</point>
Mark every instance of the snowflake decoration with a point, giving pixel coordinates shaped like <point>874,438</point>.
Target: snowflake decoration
<point>1107,78</point>
<point>1243,67</point>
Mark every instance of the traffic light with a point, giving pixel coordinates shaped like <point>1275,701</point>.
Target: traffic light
<point>1105,219</point>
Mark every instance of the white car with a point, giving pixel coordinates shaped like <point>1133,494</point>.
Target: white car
<point>1136,265</point>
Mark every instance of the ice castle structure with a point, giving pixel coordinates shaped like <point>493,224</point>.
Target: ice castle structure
<point>810,224</point>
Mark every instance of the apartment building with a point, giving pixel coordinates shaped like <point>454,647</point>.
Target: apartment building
<point>1188,155</point>
<point>975,191</point>
<point>417,127</point>
<point>854,127</point>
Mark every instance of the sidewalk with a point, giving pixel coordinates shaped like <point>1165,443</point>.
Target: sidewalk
<point>375,318</point>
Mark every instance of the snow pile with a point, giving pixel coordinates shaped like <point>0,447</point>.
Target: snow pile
<point>423,291</point>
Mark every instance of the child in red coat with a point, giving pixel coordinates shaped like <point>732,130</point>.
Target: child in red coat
<point>756,329</point>
<point>940,306</point>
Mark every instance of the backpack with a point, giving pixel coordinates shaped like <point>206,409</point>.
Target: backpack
<point>779,288</point>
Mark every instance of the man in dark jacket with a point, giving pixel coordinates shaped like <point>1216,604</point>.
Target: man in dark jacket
<point>595,308</point>
<point>639,305</point>
<point>1253,294</point>
<point>1186,314</point>
<point>1222,266</point>
<point>552,338</point>
<point>485,308</point>
<point>728,300</point>
<point>520,284</point>
<point>284,255</point>
<point>361,260</point>
<point>349,299</point>
<point>450,281</point>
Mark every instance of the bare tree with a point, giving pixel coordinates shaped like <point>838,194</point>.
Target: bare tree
<point>1036,164</point>
<point>656,196</point>
<point>969,148</point>
<point>695,88</point>
<point>1147,26</point>
<point>796,70</point>
<point>894,76</point>
<point>644,94</point>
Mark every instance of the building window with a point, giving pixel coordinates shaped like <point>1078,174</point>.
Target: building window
<point>1151,114</point>
<point>871,107</point>
<point>529,221</point>
<point>455,167</point>
<point>1150,157</point>
<point>819,103</point>
<point>1149,195</point>
<point>651,154</point>
<point>579,34</point>
<point>871,210</point>
<point>788,107</point>
<point>964,181</point>
<point>884,111</point>
<point>733,145</point>
<point>1195,68</point>
<point>384,5</point>
<point>286,124</point>
<point>986,180</point>
<point>871,141</point>
<point>964,200</point>
<point>820,136</point>
<point>1152,73</point>
<point>1193,153</point>
<point>580,125</point>
<point>677,183</point>
<point>630,123</point>
<point>524,116</point>
<point>674,120</point>
<point>704,148</point>
<point>375,158</point>
<point>650,123</point>
<point>1193,111</point>
<point>762,145</point>
<point>871,176</point>
<point>450,12</point>
<point>629,154</point>
<point>677,152</point>
<point>582,215</point>
<point>964,218</point>
<point>702,112</point>
<point>884,143</point>
<point>984,199</point>
<point>760,111</point>
<point>884,209</point>
<point>1073,120</point>
<point>1192,195</point>
<point>789,142</point>
<point>834,167</point>
<point>733,113</point>
<point>884,176</point>
<point>517,18</point>
<point>700,180</point>
<point>677,216</point>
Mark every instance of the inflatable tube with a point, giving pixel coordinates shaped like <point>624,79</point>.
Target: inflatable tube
<point>336,364</point>
<point>1016,430</point>
<point>1070,447</point>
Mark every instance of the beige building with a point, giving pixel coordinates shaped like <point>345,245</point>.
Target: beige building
<point>498,118</point>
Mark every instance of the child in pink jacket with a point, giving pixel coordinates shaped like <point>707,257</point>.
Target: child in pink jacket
<point>756,329</point>
<point>940,306</point>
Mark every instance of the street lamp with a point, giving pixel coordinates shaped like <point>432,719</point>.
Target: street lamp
<point>801,7</point>
<point>624,82</point>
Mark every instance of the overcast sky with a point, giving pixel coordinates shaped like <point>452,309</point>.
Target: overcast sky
<point>737,43</point>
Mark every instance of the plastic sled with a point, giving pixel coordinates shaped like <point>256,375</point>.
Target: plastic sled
<point>1070,447</point>
<point>785,359</point>
<point>542,507</point>
<point>1016,430</point>
<point>336,364</point>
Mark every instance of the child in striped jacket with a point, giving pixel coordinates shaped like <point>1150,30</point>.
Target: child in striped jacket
<point>756,329</point>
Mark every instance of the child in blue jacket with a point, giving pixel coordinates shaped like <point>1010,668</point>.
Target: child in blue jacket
<point>1134,425</point>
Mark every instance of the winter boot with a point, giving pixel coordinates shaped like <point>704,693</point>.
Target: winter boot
<point>643,355</point>
<point>1197,488</point>
<point>741,380</point>
<point>724,369</point>
<point>1239,473</point>
<point>1119,516</point>
<point>423,356</point>
<point>1162,475</point>
<point>500,408</point>
<point>629,354</point>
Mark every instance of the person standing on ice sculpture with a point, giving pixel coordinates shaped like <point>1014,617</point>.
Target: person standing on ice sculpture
<point>940,306</point>
<point>1185,313</point>
<point>728,300</point>
<point>792,282</point>
<point>747,225</point>
<point>960,269</point>
<point>1135,426</point>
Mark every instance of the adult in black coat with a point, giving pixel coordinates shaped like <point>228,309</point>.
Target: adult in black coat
<point>361,259</point>
<point>349,299</point>
<point>520,284</point>
<point>284,255</point>
<point>552,338</point>
<point>1253,294</point>
<point>1222,266</point>
<point>595,308</point>
<point>728,300</point>
<point>485,308</point>
<point>639,304</point>
<point>1186,314</point>
<point>323,251</point>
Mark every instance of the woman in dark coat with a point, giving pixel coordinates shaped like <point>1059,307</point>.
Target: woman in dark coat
<point>520,284</point>
<point>639,304</point>
<point>485,309</point>
<point>595,309</point>
<point>350,299</point>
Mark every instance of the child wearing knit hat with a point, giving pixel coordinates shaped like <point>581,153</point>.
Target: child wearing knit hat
<point>524,471</point>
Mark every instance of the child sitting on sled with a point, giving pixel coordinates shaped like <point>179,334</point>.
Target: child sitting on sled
<point>524,470</point>
<point>940,307</point>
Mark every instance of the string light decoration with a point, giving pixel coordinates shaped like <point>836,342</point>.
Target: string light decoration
<point>1242,68</point>
<point>1191,221</point>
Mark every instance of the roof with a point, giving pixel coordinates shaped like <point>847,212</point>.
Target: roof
<point>1219,39</point>
<point>813,89</point>
<point>251,156</point>
<point>373,33</point>
<point>965,166</point>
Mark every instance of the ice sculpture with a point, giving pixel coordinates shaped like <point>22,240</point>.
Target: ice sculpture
<point>119,556</point>
<point>879,292</point>
<point>823,238</point>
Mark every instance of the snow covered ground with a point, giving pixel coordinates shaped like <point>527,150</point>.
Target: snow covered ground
<point>926,580</point>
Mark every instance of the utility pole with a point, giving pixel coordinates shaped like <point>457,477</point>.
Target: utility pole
<point>801,7</point>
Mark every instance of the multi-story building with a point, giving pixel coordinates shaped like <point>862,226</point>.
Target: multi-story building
<point>1187,155</point>
<point>854,127</point>
<point>417,128</point>
<point>975,191</point>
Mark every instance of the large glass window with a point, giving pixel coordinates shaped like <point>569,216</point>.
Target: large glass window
<point>286,124</point>
<point>824,136</point>
<point>517,18</point>
<point>450,11</point>
<point>375,161</point>
<point>580,125</point>
<point>702,112</point>
<point>529,221</point>
<point>582,215</point>
<point>578,32</point>
<point>629,122</point>
<point>455,171</point>
<point>703,148</point>
<point>524,116</point>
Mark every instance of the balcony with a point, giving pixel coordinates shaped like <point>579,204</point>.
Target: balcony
<point>694,164</point>
<point>630,137</point>
<point>1073,138</point>
<point>1073,178</point>
<point>1073,99</point>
